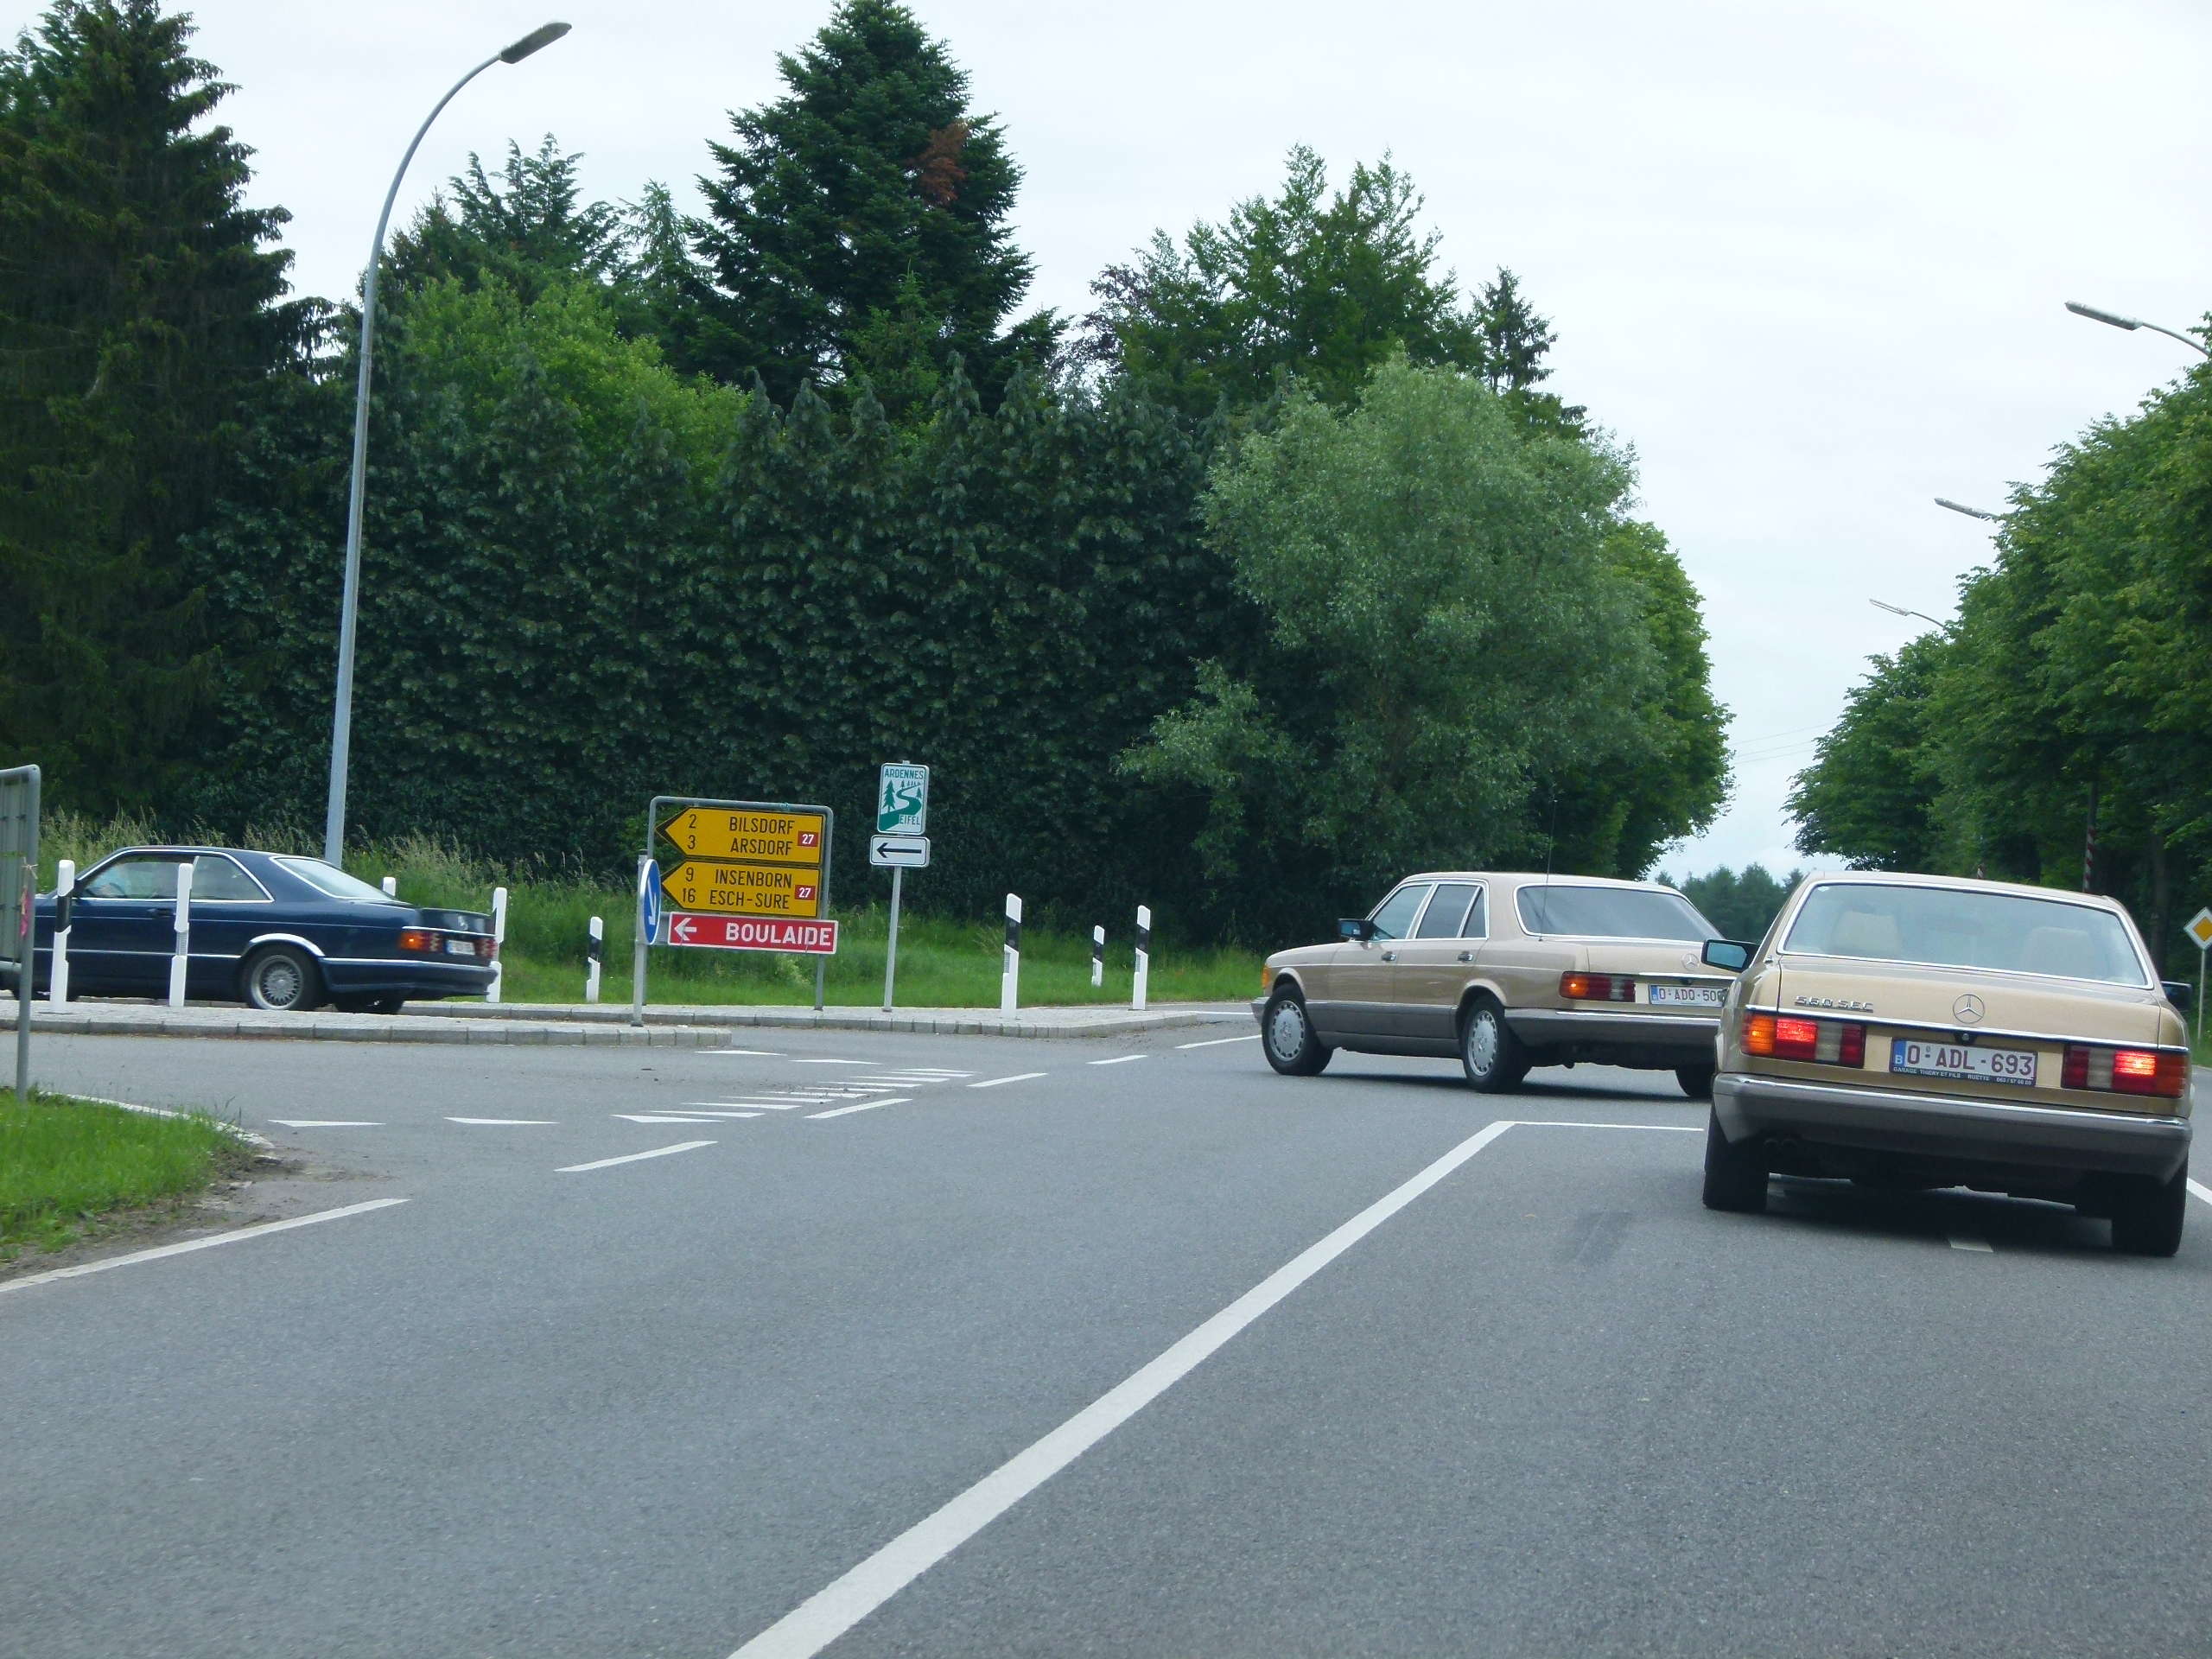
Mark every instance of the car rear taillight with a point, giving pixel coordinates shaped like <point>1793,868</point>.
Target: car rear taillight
<point>2163,1072</point>
<point>1595,988</point>
<point>1825,1042</point>
<point>419,938</point>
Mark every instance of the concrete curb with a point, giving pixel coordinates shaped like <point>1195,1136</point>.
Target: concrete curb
<point>700,1027</point>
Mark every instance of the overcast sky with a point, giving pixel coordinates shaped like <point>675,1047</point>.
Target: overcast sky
<point>1808,260</point>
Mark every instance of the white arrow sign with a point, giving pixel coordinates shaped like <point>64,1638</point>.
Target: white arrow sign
<point>682,929</point>
<point>899,852</point>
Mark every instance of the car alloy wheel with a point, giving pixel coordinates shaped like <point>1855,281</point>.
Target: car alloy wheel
<point>1491,1054</point>
<point>281,981</point>
<point>1287,1035</point>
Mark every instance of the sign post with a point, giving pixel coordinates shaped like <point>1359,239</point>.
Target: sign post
<point>902,814</point>
<point>737,875</point>
<point>18,899</point>
<point>2199,928</point>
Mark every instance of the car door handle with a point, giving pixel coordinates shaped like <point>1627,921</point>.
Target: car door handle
<point>1466,955</point>
<point>1389,955</point>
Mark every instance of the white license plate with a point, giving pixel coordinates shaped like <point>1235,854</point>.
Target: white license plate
<point>460,947</point>
<point>1968,1063</point>
<point>1688,997</point>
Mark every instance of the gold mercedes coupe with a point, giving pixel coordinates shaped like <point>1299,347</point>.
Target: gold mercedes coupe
<point>1919,1031</point>
<point>1506,972</point>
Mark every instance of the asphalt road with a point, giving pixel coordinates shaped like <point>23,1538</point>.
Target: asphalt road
<point>1164,1356</point>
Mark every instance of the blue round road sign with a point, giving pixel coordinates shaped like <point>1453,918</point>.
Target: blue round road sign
<point>649,902</point>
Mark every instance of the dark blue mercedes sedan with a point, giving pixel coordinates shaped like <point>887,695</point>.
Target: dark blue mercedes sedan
<point>278,932</point>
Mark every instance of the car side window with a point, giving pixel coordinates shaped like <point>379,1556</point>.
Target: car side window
<point>143,876</point>
<point>1446,912</point>
<point>217,878</point>
<point>1396,914</point>
<point>1477,925</point>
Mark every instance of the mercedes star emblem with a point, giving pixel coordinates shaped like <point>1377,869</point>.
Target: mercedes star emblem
<point>1969,1009</point>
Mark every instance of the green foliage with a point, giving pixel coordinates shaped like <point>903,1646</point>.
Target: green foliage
<point>868,202</point>
<point>1741,904</point>
<point>528,230</point>
<point>140,318</point>
<point>70,1165</point>
<point>1433,576</point>
<point>2078,680</point>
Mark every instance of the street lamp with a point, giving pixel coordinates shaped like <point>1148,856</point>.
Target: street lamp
<point>341,730</point>
<point>1899,610</point>
<point>1971,512</point>
<point>2133,323</point>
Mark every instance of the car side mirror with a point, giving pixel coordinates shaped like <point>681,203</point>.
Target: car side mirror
<point>1732,954</point>
<point>1358,929</point>
<point>2178,992</point>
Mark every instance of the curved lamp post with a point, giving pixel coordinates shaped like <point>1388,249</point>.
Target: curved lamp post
<point>1899,610</point>
<point>341,732</point>
<point>1971,512</point>
<point>2133,323</point>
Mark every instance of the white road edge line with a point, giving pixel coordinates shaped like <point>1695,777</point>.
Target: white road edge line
<point>1119,1059</point>
<point>1018,1077</point>
<point>865,1106</point>
<point>831,1611</point>
<point>1216,1042</point>
<point>328,1122</point>
<point>1959,1241</point>
<point>159,1251</point>
<point>834,1063</point>
<point>516,1122</point>
<point>759,1053</point>
<point>2202,1190</point>
<point>1569,1123</point>
<point>632,1158</point>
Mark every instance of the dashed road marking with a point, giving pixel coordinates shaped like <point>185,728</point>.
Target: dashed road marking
<point>758,1054</point>
<point>703,1114</point>
<point>1018,1077</point>
<point>1216,1042</point>
<point>1958,1241</point>
<point>632,1158</point>
<point>834,1062</point>
<point>510,1122</point>
<point>2202,1190</point>
<point>328,1122</point>
<point>657,1117</point>
<point>865,1106</point>
<point>1119,1059</point>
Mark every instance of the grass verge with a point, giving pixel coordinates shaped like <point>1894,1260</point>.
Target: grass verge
<point>71,1168</point>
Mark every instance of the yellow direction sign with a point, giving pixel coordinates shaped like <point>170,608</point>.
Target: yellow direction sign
<point>766,836</point>
<point>2199,928</point>
<point>720,888</point>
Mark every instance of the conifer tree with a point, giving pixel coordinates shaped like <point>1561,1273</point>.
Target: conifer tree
<point>869,200</point>
<point>141,312</point>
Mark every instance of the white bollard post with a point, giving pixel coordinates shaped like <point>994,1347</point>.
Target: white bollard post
<point>1144,954</point>
<point>180,957</point>
<point>57,973</point>
<point>499,943</point>
<point>1098,957</point>
<point>595,957</point>
<point>1010,970</point>
<point>390,885</point>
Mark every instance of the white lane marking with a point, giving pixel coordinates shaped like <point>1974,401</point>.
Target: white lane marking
<point>1960,1243</point>
<point>865,1106</point>
<point>1567,1123</point>
<point>659,1117</point>
<point>904,1078</point>
<point>2202,1190</point>
<point>161,1250</point>
<point>834,1062</point>
<point>759,1053</point>
<point>1018,1077</point>
<point>516,1122</point>
<point>632,1158</point>
<point>1119,1059</point>
<point>827,1614</point>
<point>326,1122</point>
<point>1216,1042</point>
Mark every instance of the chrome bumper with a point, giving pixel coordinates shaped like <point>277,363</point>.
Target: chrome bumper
<point>1950,1126</point>
<point>1690,1032</point>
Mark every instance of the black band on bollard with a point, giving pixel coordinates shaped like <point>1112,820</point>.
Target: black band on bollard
<point>1012,934</point>
<point>595,948</point>
<point>1144,940</point>
<point>63,907</point>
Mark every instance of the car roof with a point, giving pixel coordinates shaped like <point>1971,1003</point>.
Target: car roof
<point>1535,879</point>
<point>1964,883</point>
<point>187,850</point>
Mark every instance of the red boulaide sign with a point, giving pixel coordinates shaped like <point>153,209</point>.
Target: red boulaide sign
<point>751,934</point>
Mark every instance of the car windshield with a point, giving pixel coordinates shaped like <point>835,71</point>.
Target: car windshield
<point>329,879</point>
<point>1612,913</point>
<point>1955,927</point>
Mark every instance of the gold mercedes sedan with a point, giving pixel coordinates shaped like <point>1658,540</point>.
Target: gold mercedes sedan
<point>1921,1031</point>
<point>1505,973</point>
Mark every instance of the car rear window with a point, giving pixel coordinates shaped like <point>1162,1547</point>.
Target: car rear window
<point>1612,913</point>
<point>329,879</point>
<point>1957,927</point>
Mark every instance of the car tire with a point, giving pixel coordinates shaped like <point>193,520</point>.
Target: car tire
<point>1696,1081</point>
<point>281,979</point>
<point>1735,1175</point>
<point>1287,1038</point>
<point>1494,1058</point>
<point>2147,1215</point>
